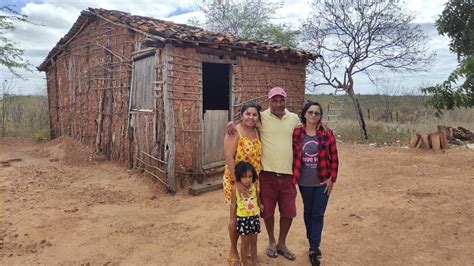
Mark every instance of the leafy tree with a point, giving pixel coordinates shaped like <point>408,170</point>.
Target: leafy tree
<point>248,19</point>
<point>456,22</point>
<point>281,33</point>
<point>356,36</point>
<point>10,55</point>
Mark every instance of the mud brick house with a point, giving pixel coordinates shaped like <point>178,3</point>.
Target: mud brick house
<point>157,94</point>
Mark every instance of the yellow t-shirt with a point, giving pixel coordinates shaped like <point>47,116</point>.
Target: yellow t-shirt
<point>247,206</point>
<point>276,135</point>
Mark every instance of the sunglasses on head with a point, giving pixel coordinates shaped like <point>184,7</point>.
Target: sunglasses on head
<point>313,113</point>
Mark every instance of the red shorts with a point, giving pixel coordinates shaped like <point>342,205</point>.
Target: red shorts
<point>277,188</point>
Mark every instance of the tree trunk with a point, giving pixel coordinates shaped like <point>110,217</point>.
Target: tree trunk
<point>359,111</point>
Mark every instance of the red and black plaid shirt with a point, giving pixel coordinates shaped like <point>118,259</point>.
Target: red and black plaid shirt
<point>328,160</point>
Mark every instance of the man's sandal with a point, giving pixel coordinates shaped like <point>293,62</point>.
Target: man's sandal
<point>272,252</point>
<point>233,262</point>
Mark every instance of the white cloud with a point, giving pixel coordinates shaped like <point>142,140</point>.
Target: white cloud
<point>184,18</point>
<point>426,11</point>
<point>50,15</point>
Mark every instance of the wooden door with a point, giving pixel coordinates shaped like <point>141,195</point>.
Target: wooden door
<point>215,122</point>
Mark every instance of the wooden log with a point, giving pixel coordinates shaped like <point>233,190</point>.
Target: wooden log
<point>185,99</point>
<point>197,189</point>
<point>108,108</point>
<point>181,122</point>
<point>147,133</point>
<point>425,142</point>
<point>170,137</point>
<point>154,158</point>
<point>195,150</point>
<point>435,141</point>
<point>99,119</point>
<point>415,140</point>
<point>159,114</point>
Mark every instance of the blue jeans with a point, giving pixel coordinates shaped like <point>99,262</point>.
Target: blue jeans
<point>314,202</point>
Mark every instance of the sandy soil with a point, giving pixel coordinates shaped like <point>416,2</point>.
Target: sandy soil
<point>390,206</point>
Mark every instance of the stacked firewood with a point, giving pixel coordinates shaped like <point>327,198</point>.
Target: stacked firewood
<point>461,133</point>
<point>439,140</point>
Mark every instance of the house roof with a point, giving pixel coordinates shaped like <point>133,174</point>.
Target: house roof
<point>162,31</point>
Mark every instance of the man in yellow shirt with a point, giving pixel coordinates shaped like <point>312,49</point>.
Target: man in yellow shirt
<point>277,163</point>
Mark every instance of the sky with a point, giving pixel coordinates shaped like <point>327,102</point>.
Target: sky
<point>57,16</point>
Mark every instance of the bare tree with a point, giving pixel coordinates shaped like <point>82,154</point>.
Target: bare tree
<point>357,36</point>
<point>389,92</point>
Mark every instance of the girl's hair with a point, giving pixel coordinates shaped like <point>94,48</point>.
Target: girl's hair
<point>241,168</point>
<point>305,109</point>
<point>251,104</point>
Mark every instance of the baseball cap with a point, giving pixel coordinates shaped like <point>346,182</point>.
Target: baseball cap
<point>276,91</point>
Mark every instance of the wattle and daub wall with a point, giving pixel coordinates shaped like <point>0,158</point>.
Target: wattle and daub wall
<point>89,84</point>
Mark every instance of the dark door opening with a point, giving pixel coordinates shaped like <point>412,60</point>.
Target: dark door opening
<point>215,112</point>
<point>215,86</point>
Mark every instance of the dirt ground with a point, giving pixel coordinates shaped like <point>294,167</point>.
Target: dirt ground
<point>390,206</point>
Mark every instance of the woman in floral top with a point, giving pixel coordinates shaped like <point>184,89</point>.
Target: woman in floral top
<point>245,146</point>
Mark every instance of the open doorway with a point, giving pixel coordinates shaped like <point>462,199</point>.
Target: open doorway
<point>216,106</point>
<point>215,86</point>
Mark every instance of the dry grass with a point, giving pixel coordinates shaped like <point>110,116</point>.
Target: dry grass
<point>409,115</point>
<point>26,116</point>
<point>389,132</point>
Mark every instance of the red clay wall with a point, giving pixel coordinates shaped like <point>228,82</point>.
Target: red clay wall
<point>251,79</point>
<point>88,87</point>
<point>89,83</point>
<point>187,106</point>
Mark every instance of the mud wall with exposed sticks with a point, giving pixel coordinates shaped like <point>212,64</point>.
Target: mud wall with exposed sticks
<point>250,79</point>
<point>253,79</point>
<point>88,88</point>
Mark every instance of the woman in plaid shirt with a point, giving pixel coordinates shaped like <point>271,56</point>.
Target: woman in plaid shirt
<point>315,164</point>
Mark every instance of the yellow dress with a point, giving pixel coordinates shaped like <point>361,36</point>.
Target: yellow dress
<point>249,150</point>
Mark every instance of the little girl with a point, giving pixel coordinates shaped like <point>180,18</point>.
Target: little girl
<point>245,210</point>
